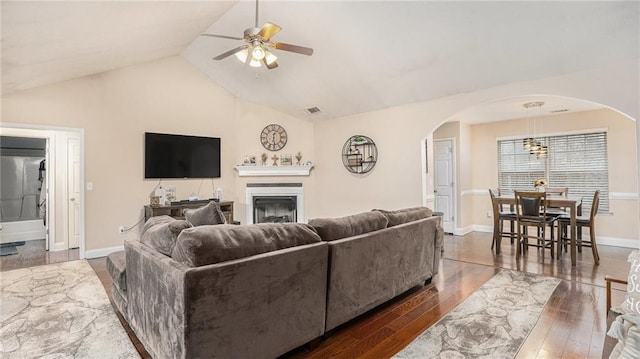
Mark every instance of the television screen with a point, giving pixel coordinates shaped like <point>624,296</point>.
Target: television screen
<point>178,156</point>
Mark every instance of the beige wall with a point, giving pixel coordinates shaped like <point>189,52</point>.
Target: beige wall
<point>115,108</point>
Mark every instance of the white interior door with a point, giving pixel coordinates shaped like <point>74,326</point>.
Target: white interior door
<point>73,191</point>
<point>444,186</point>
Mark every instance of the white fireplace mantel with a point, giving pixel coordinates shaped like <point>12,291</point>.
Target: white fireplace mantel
<point>246,171</point>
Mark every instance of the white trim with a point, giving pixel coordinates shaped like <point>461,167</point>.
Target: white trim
<point>462,231</point>
<point>245,171</point>
<point>482,228</point>
<point>102,252</point>
<point>623,196</point>
<point>552,134</point>
<point>474,192</point>
<point>618,242</point>
<point>612,195</point>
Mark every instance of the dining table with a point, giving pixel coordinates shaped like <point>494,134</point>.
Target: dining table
<point>573,203</point>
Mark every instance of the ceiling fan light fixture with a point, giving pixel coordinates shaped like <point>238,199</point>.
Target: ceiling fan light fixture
<point>270,58</point>
<point>258,53</point>
<point>254,62</point>
<point>242,55</point>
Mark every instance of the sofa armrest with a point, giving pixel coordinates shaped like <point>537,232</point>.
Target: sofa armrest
<point>155,298</point>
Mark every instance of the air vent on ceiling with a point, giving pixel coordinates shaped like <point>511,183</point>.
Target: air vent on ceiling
<point>561,110</point>
<point>313,110</point>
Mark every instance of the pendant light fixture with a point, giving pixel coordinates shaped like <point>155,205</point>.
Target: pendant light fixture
<point>535,146</point>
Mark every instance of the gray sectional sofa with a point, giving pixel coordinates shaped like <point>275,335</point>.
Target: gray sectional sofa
<point>195,290</point>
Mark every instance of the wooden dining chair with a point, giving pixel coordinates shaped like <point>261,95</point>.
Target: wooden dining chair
<point>500,216</point>
<point>531,211</point>
<point>581,221</point>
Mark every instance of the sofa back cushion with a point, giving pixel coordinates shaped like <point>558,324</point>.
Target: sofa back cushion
<point>203,245</point>
<point>331,229</point>
<point>161,233</point>
<point>205,215</point>
<point>405,215</point>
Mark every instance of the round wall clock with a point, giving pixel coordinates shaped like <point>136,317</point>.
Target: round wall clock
<point>273,137</point>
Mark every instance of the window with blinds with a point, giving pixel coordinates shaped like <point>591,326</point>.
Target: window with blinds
<point>578,162</point>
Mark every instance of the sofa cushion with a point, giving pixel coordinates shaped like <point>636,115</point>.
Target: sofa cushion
<point>116,267</point>
<point>161,233</point>
<point>405,215</point>
<point>331,229</point>
<point>203,245</point>
<point>632,299</point>
<point>205,215</point>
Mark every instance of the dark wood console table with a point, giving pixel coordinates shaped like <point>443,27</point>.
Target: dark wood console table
<point>177,210</point>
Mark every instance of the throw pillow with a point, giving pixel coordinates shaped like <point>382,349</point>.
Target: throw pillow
<point>632,301</point>
<point>405,215</point>
<point>206,215</point>
<point>331,229</point>
<point>163,233</point>
<point>199,246</point>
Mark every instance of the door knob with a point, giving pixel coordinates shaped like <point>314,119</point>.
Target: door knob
<point>72,199</point>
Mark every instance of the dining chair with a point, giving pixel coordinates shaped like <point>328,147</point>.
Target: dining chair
<point>500,215</point>
<point>581,221</point>
<point>531,211</point>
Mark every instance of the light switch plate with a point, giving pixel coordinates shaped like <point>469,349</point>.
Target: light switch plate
<point>89,186</point>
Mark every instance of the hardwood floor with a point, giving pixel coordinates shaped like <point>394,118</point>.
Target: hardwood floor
<point>32,253</point>
<point>572,325</point>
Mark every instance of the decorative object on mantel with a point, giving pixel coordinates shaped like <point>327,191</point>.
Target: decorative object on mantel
<point>263,171</point>
<point>298,158</point>
<point>263,158</point>
<point>359,154</point>
<point>285,160</point>
<point>274,159</point>
<point>249,161</point>
<point>273,137</point>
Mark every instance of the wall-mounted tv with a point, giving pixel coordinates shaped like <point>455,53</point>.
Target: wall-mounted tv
<point>179,156</point>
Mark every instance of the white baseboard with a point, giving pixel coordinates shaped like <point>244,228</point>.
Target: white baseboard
<point>618,242</point>
<point>462,231</point>
<point>102,252</point>
<point>482,228</point>
<point>605,241</point>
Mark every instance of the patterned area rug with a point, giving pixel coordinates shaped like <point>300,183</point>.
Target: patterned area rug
<point>492,323</point>
<point>59,311</point>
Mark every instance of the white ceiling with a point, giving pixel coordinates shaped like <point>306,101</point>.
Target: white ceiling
<point>368,55</point>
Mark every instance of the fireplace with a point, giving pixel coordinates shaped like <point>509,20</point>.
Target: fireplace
<point>275,203</point>
<point>275,209</point>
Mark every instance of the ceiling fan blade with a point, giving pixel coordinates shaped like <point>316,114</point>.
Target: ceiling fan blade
<point>223,36</point>
<point>292,48</point>
<point>230,52</point>
<point>270,67</point>
<point>268,30</point>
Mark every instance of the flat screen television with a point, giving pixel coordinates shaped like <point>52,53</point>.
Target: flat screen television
<point>179,156</point>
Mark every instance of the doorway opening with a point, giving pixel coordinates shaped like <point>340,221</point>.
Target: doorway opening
<point>41,199</point>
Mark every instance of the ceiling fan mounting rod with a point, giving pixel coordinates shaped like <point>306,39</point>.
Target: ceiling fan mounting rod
<point>256,13</point>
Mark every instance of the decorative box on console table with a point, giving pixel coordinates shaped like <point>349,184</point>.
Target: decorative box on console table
<point>246,171</point>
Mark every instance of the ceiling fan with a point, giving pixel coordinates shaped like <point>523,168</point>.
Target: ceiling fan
<point>258,41</point>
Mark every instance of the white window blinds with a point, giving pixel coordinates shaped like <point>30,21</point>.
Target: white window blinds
<point>578,162</point>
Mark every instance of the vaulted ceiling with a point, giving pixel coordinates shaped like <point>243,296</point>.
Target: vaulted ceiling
<point>368,55</point>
